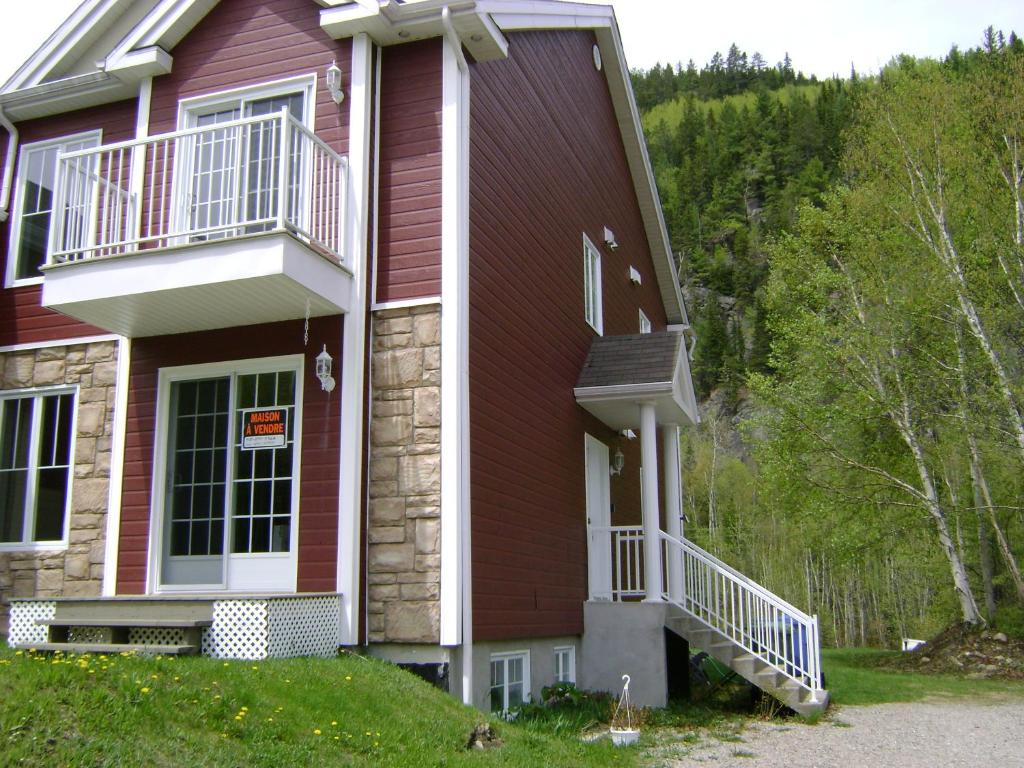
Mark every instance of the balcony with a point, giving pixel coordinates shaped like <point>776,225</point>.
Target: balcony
<point>194,230</point>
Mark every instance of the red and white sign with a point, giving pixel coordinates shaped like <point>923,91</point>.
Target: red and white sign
<point>264,428</point>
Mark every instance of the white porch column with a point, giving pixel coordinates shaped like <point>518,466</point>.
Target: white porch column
<point>649,463</point>
<point>673,507</point>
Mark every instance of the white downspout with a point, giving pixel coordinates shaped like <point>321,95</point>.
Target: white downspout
<point>12,152</point>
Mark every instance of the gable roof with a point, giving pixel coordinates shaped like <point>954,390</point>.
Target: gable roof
<point>56,79</point>
<point>621,372</point>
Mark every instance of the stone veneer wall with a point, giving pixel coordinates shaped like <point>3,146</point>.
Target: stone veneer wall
<point>76,571</point>
<point>404,561</point>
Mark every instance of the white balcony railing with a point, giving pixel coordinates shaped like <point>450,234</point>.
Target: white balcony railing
<point>198,185</point>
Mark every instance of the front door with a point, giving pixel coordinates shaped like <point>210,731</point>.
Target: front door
<point>599,539</point>
<point>230,481</point>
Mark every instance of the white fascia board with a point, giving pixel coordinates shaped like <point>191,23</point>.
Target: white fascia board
<point>65,95</point>
<point>622,391</point>
<point>68,36</point>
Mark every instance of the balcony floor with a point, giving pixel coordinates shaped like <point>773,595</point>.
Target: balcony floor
<point>248,280</point>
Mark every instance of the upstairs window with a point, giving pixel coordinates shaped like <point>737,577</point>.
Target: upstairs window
<point>645,323</point>
<point>37,171</point>
<point>35,467</point>
<point>592,285</point>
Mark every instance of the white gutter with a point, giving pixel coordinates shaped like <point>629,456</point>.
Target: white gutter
<point>12,152</point>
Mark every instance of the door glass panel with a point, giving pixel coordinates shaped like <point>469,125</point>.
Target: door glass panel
<point>262,509</point>
<point>214,184</point>
<point>263,165</point>
<point>197,481</point>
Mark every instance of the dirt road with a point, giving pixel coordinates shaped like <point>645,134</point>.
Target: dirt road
<point>962,734</point>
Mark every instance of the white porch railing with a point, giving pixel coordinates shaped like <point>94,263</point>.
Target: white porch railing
<point>722,598</point>
<point>197,185</point>
<point>626,544</point>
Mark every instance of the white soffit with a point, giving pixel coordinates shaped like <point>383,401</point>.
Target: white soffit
<point>394,24</point>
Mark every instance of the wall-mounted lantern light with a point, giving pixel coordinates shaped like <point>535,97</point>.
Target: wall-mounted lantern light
<point>609,239</point>
<point>323,371</point>
<point>618,462</point>
<point>334,83</point>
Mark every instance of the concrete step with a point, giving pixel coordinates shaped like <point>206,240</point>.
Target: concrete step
<point>99,621</point>
<point>113,648</point>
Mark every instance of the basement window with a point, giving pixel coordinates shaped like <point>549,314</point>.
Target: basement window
<point>36,432</point>
<point>510,680</point>
<point>565,665</point>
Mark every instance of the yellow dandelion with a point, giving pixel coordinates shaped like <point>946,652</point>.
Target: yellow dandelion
<point>336,738</point>
<point>238,717</point>
<point>348,677</point>
<point>255,668</point>
<point>17,653</point>
<point>226,664</point>
<point>245,709</point>
<point>334,722</point>
<point>143,690</point>
<point>216,696</point>
<point>369,734</point>
<point>317,731</point>
<point>270,719</point>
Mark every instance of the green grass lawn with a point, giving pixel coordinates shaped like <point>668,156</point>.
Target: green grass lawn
<point>347,711</point>
<point>852,677</point>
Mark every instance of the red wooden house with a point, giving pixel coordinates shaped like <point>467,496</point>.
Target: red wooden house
<point>353,323</point>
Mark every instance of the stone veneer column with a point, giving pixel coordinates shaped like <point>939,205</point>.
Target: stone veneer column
<point>76,571</point>
<point>404,560</point>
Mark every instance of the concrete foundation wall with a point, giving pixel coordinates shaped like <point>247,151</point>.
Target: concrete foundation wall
<point>542,665</point>
<point>625,639</point>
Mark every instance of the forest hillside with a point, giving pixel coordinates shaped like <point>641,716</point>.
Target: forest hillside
<point>852,254</point>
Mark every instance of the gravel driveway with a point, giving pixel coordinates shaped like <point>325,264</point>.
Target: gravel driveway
<point>962,734</point>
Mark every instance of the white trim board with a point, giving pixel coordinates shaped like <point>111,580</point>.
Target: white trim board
<point>406,303</point>
<point>73,342</point>
<point>353,392</point>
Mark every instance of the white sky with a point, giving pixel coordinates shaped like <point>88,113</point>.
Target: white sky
<point>822,37</point>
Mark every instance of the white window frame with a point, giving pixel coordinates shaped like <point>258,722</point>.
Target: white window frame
<point>645,323</point>
<point>191,108</point>
<point>158,496</point>
<point>27,544</point>
<point>593,309</point>
<point>11,280</point>
<point>568,672</point>
<point>504,658</point>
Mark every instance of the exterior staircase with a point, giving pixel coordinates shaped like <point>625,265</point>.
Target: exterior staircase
<point>715,608</point>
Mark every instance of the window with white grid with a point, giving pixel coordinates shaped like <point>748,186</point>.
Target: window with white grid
<point>37,173</point>
<point>510,680</point>
<point>36,436</point>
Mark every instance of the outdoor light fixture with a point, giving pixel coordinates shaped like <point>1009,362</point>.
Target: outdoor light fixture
<point>609,239</point>
<point>334,83</point>
<point>323,371</point>
<point>618,462</point>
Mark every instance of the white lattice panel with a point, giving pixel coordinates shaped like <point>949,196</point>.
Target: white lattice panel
<point>304,626</point>
<point>23,629</point>
<point>156,636</point>
<point>239,630</point>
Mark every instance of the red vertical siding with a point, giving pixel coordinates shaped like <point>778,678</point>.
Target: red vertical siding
<point>409,247</point>
<point>321,413</point>
<point>248,42</point>
<point>22,319</point>
<point>547,164</point>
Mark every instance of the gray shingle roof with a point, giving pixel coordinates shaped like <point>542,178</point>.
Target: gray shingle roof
<point>643,358</point>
